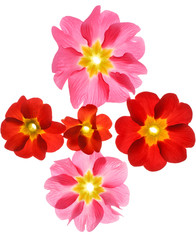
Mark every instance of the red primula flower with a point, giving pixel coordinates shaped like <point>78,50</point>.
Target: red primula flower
<point>88,131</point>
<point>29,129</point>
<point>157,131</point>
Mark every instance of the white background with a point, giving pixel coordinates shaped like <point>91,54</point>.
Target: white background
<point>162,204</point>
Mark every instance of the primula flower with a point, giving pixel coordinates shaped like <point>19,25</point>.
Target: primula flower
<point>157,131</point>
<point>99,57</point>
<point>29,129</point>
<point>87,188</point>
<point>88,131</point>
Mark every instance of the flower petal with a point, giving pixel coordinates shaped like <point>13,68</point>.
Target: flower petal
<point>78,87</point>
<point>53,141</point>
<point>65,166</point>
<point>90,27</point>
<point>70,122</point>
<point>72,28</point>
<point>39,148</point>
<point>72,143</point>
<point>172,152</point>
<point>103,121</point>
<point>87,114</point>
<point>117,93</point>
<point>80,220</point>
<point>65,61</point>
<point>110,215</point>
<point>96,141</point>
<point>45,116</point>
<point>182,134</point>
<point>66,200</point>
<point>118,33</point>
<point>77,211</point>
<point>138,152</point>
<point>10,127</point>
<point>98,91</point>
<point>16,142</point>
<point>14,110</point>
<point>62,179</point>
<point>72,132</point>
<point>114,171</point>
<point>123,80</point>
<point>26,151</point>
<point>55,128</point>
<point>85,144</point>
<point>148,101</point>
<point>95,215</point>
<point>31,107</point>
<point>128,131</point>
<point>155,161</point>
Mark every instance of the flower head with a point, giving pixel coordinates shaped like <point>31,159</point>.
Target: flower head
<point>157,131</point>
<point>88,131</point>
<point>87,188</point>
<point>29,129</point>
<point>99,57</point>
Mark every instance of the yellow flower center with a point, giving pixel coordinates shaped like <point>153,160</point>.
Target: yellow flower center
<point>96,59</point>
<point>31,127</point>
<point>86,129</point>
<point>88,187</point>
<point>154,130</point>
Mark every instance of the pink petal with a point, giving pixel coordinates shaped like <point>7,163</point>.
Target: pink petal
<point>128,64</point>
<point>118,33</point>
<point>64,64</point>
<point>77,210</point>
<point>95,215</point>
<point>90,27</point>
<point>123,80</point>
<point>64,166</point>
<point>66,200</point>
<point>117,93</point>
<point>135,46</point>
<point>78,87</point>
<point>110,215</point>
<point>113,171</point>
<point>98,91</point>
<point>84,162</point>
<point>66,213</point>
<point>80,220</point>
<point>109,199</point>
<point>72,27</point>
<point>120,194</point>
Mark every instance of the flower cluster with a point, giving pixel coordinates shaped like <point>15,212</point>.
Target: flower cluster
<point>100,59</point>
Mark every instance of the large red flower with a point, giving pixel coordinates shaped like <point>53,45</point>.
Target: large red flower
<point>29,129</point>
<point>157,131</point>
<point>88,131</point>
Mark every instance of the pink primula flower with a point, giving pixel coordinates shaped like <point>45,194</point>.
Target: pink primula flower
<point>99,57</point>
<point>87,188</point>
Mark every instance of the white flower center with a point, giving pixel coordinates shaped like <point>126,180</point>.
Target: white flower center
<point>96,60</point>
<point>153,130</point>
<point>89,187</point>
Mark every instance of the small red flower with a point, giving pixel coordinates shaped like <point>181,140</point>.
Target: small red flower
<point>29,129</point>
<point>88,131</point>
<point>157,131</point>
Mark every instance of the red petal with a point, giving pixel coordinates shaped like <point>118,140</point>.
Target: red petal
<point>85,144</point>
<point>172,152</point>
<point>26,152</point>
<point>137,112</point>
<point>45,116</point>
<point>39,148</point>
<point>155,161</point>
<point>72,143</point>
<point>88,114</point>
<point>15,109</point>
<point>128,131</point>
<point>182,134</point>
<point>138,152</point>
<point>31,107</point>
<point>53,141</point>
<point>96,141</point>
<point>16,142</point>
<point>55,128</point>
<point>148,101</point>
<point>181,114</point>
<point>64,180</point>
<point>105,134</point>
<point>70,122</point>
<point>10,127</point>
<point>166,105</point>
<point>72,132</point>
<point>103,121</point>
<point>66,201</point>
